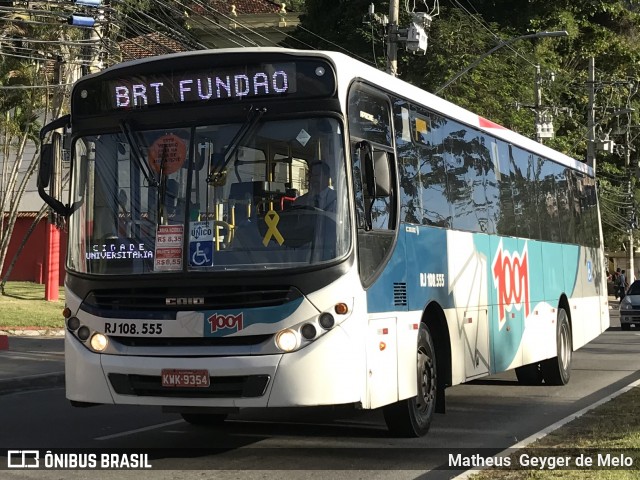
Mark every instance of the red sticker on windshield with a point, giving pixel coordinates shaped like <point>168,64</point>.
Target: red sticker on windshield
<point>167,154</point>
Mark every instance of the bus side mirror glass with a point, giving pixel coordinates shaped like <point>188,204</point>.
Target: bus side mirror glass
<point>84,171</point>
<point>48,158</point>
<point>46,163</point>
<point>382,174</point>
<point>366,157</point>
<point>376,171</point>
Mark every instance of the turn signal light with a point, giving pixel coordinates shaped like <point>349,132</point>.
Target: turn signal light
<point>341,308</point>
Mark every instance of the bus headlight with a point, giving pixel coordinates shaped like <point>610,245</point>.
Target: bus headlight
<point>287,340</point>
<point>99,342</point>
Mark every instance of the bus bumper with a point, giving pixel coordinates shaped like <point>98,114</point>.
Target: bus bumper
<point>315,375</point>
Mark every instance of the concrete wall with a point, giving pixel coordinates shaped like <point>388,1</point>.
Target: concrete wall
<point>30,265</point>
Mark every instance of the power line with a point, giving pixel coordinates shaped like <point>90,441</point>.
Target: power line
<point>494,35</point>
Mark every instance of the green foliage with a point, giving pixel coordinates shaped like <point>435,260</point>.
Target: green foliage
<point>331,25</point>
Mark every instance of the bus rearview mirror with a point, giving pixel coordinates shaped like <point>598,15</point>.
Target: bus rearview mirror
<point>46,162</point>
<point>382,174</point>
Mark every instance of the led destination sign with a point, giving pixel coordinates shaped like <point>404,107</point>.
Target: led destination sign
<point>203,86</point>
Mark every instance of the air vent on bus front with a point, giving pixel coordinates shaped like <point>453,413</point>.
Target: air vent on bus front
<point>400,294</point>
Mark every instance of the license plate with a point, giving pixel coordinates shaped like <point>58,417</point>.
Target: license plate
<point>185,378</point>
<point>133,329</point>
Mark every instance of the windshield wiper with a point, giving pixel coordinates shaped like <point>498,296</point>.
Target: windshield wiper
<point>134,147</point>
<point>249,125</point>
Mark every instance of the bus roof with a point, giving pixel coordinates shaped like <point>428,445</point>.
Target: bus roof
<point>349,69</point>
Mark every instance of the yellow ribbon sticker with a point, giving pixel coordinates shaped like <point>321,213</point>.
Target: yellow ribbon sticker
<point>271,219</point>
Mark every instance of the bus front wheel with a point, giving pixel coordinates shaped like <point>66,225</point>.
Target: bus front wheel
<point>412,417</point>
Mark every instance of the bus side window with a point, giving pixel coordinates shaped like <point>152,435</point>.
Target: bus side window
<point>465,165</point>
<point>370,124</point>
<point>547,199</point>
<point>431,182</point>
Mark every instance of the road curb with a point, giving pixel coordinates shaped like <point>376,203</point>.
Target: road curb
<point>30,332</point>
<point>31,382</point>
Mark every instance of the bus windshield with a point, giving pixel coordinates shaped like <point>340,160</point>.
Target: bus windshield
<point>252,195</point>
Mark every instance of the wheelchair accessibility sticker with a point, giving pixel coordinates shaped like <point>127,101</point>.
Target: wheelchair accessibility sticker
<point>201,244</point>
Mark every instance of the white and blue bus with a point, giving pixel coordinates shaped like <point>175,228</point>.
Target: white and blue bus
<point>197,281</point>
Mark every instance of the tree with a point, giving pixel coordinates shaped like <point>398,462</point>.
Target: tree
<point>30,95</point>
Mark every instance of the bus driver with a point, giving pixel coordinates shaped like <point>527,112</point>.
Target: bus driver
<point>321,194</point>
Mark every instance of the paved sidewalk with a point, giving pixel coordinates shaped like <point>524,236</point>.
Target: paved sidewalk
<point>31,362</point>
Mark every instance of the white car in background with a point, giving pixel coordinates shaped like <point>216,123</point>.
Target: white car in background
<point>630,307</point>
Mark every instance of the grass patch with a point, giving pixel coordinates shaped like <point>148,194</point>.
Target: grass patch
<point>613,427</point>
<point>23,305</point>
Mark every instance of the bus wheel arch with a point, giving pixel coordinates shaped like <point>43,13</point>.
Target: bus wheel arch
<point>555,370</point>
<point>412,417</point>
<point>436,321</point>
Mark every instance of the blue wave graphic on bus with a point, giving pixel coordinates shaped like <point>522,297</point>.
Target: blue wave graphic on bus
<point>523,274</point>
<point>219,323</point>
<point>518,274</point>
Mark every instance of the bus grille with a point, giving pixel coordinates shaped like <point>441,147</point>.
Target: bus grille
<point>220,387</point>
<point>191,298</point>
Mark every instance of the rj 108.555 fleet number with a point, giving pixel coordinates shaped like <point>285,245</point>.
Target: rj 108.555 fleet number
<point>122,328</point>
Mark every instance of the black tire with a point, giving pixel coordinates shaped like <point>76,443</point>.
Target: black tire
<point>204,419</point>
<point>625,326</point>
<point>412,417</point>
<point>530,374</point>
<point>557,370</point>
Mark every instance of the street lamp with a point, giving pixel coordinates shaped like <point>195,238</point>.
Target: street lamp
<point>503,43</point>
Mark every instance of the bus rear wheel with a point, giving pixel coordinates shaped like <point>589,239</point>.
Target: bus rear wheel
<point>204,419</point>
<point>412,417</point>
<point>557,370</point>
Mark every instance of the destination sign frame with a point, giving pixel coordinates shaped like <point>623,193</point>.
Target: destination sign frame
<point>158,83</point>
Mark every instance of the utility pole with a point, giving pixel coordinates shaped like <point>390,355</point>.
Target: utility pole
<point>627,162</point>
<point>392,38</point>
<point>544,114</point>
<point>591,120</point>
<point>538,105</point>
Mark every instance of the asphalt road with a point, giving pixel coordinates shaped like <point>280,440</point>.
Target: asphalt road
<point>486,415</point>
